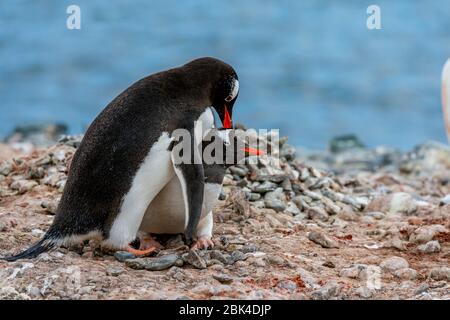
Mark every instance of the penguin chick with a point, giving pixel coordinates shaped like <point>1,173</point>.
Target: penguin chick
<point>166,214</point>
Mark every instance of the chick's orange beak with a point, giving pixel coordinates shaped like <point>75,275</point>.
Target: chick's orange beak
<point>254,152</point>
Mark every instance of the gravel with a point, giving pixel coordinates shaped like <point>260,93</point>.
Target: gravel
<point>322,239</point>
<point>274,232</point>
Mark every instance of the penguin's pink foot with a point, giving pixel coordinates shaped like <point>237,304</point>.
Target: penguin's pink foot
<point>203,243</point>
<point>148,242</point>
<point>147,246</point>
<point>141,253</point>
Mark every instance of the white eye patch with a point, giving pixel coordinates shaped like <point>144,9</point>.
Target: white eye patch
<point>234,89</point>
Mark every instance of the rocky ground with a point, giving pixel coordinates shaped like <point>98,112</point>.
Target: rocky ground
<point>349,223</point>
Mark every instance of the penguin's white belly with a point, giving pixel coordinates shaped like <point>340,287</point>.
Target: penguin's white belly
<point>166,213</point>
<point>153,174</point>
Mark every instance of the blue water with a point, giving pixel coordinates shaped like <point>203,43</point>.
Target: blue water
<point>310,68</point>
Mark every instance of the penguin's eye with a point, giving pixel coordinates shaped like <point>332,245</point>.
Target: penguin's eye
<point>229,98</point>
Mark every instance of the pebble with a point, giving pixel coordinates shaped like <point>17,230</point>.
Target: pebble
<point>3,226</point>
<point>365,292</point>
<point>440,273</point>
<point>275,204</point>
<point>316,213</point>
<point>288,285</point>
<point>398,244</point>
<point>5,168</point>
<point>34,292</point>
<point>49,206</point>
<point>430,247</point>
<point>236,256</point>
<point>292,209</point>
<point>258,262</point>
<point>228,180</point>
<point>329,264</point>
<point>194,259</point>
<point>179,263</point>
<point>402,202</point>
<point>330,290</point>
<point>274,200</point>
<point>254,196</point>
<point>376,215</point>
<point>219,256</point>
<point>264,187</point>
<point>396,203</point>
<point>122,256</point>
<point>36,173</point>
<point>222,195</point>
<point>223,278</point>
<point>422,289</point>
<point>114,271</point>
<point>309,280</point>
<point>23,186</point>
<point>248,248</point>
<point>276,260</point>
<point>354,272</point>
<point>426,233</point>
<point>445,200</point>
<point>322,239</point>
<point>153,264</point>
<point>241,172</point>
<point>394,263</point>
<point>286,185</point>
<point>37,232</point>
<point>406,274</point>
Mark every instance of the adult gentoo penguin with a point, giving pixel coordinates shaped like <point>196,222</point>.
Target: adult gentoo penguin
<point>165,214</point>
<point>125,157</point>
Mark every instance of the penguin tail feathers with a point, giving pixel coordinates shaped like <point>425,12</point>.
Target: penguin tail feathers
<point>43,245</point>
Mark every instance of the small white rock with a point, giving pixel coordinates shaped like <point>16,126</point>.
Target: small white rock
<point>402,202</point>
<point>365,292</point>
<point>406,274</point>
<point>430,247</point>
<point>353,272</point>
<point>394,263</point>
<point>426,233</point>
<point>440,273</point>
<point>37,232</point>
<point>445,200</point>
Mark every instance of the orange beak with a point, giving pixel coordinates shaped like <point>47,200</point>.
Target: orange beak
<point>227,119</point>
<point>254,152</point>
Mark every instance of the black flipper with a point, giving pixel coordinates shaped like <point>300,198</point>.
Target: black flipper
<point>190,172</point>
<point>193,176</point>
<point>43,245</point>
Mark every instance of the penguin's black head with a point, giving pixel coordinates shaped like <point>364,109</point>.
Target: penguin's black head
<point>224,86</point>
<point>226,93</point>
